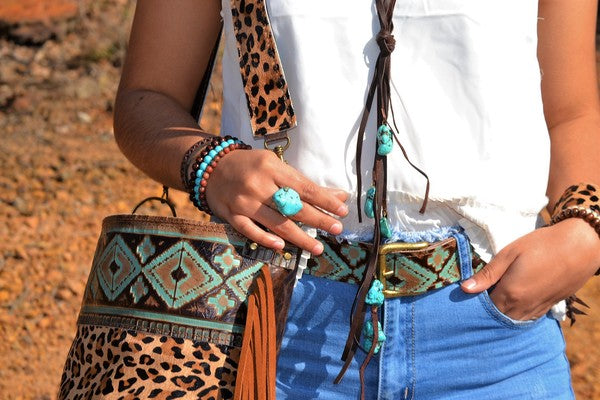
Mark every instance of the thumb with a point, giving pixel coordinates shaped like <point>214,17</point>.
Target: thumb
<point>489,274</point>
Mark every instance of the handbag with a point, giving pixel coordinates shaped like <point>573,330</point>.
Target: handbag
<point>168,307</point>
<point>178,308</point>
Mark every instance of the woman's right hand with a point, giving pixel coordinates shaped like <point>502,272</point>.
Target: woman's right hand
<point>240,189</point>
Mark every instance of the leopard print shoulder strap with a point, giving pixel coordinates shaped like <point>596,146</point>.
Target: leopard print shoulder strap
<point>267,95</point>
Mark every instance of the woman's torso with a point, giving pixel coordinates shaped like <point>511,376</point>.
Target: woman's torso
<point>466,98</point>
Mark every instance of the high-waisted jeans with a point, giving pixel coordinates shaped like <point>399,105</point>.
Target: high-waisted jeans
<point>445,344</point>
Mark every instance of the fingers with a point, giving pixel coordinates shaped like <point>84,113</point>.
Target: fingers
<point>285,227</point>
<point>327,199</point>
<point>281,228</point>
<point>339,193</point>
<point>248,228</point>
<point>243,196</point>
<point>310,216</point>
<point>490,274</point>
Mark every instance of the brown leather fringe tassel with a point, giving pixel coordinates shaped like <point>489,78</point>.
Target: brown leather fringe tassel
<point>256,370</point>
<point>374,343</point>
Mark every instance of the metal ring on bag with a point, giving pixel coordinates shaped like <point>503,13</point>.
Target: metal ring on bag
<point>164,199</point>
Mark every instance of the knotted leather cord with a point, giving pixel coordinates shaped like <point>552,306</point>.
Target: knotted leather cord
<point>374,343</point>
<point>380,85</point>
<point>251,43</point>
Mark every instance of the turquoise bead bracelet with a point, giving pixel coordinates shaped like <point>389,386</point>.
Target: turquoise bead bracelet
<point>205,165</point>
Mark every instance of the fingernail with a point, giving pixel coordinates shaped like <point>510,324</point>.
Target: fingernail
<point>342,211</point>
<point>469,284</point>
<point>278,243</point>
<point>336,228</point>
<point>318,249</point>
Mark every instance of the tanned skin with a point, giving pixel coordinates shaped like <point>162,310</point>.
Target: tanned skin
<point>169,49</point>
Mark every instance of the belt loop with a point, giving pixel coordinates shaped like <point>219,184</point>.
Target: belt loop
<point>464,253</point>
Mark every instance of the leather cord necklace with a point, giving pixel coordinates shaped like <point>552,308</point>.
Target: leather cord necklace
<point>272,115</point>
<point>380,86</point>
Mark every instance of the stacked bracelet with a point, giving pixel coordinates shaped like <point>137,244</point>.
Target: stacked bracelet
<point>204,165</point>
<point>185,163</point>
<point>579,201</point>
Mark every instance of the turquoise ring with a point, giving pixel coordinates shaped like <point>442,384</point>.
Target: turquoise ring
<point>287,201</point>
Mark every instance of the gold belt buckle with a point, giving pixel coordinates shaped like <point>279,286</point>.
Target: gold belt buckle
<point>396,247</point>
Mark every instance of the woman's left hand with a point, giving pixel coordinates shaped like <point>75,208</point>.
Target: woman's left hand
<point>540,269</point>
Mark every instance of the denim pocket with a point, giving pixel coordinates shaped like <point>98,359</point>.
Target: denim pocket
<point>502,318</point>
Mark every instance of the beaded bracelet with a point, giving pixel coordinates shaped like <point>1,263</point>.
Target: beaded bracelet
<point>579,201</point>
<point>197,156</point>
<point>204,166</point>
<point>185,162</point>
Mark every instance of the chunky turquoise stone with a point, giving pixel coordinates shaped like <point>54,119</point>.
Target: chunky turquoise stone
<point>212,153</point>
<point>369,203</point>
<point>385,142</point>
<point>207,159</point>
<point>384,228</point>
<point>375,295</point>
<point>219,148</point>
<point>287,201</point>
<point>368,334</point>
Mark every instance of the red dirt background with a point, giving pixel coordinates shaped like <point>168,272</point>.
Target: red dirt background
<point>61,173</point>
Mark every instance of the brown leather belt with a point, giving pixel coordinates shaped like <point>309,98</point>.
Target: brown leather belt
<point>405,269</point>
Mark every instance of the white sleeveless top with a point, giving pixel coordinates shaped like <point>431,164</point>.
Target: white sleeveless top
<point>466,95</point>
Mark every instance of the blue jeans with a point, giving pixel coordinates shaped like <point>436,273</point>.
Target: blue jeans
<point>445,344</point>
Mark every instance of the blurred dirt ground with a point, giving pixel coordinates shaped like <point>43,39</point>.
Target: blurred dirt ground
<point>61,173</point>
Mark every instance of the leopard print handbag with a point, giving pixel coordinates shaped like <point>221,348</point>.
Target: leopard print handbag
<point>164,309</point>
<point>167,299</point>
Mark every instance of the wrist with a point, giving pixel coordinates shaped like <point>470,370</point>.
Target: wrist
<point>204,163</point>
<point>578,211</point>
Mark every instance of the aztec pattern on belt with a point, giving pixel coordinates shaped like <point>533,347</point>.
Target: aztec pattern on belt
<point>157,281</point>
<point>414,271</point>
<point>191,281</point>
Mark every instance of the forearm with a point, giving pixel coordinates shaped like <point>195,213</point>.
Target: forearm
<point>567,56</point>
<point>575,154</point>
<point>153,131</point>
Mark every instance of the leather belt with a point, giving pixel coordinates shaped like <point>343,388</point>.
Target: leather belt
<point>405,269</point>
<point>171,276</point>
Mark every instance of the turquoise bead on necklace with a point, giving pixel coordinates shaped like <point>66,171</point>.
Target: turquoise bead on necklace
<point>385,141</point>
<point>384,228</point>
<point>375,294</point>
<point>369,203</point>
<point>375,299</point>
<point>368,334</point>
